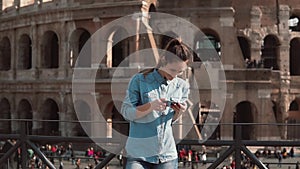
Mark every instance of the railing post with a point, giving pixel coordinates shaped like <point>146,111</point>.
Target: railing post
<point>238,144</point>
<point>9,153</point>
<point>41,155</point>
<point>222,158</point>
<point>253,158</point>
<point>109,158</point>
<point>23,144</point>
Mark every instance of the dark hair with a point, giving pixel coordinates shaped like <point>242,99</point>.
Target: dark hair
<point>173,48</point>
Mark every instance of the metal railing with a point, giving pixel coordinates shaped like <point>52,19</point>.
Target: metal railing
<point>236,145</point>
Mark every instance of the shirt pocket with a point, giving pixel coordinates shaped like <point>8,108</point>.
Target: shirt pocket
<point>176,99</point>
<point>150,96</point>
<point>176,96</point>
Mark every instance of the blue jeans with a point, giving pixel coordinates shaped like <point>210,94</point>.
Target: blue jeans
<point>139,164</point>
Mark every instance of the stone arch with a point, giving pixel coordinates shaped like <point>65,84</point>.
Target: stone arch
<point>276,111</point>
<point>5,54</point>
<point>245,112</point>
<point>152,8</point>
<point>207,46</point>
<point>77,40</point>
<point>50,116</point>
<point>293,118</point>
<point>270,52</point>
<point>245,46</point>
<point>118,49</point>
<point>119,124</point>
<point>5,113</point>
<point>294,56</point>
<point>121,49</point>
<point>294,106</point>
<point>24,60</point>
<point>50,50</point>
<point>212,32</point>
<point>209,113</point>
<point>166,37</point>
<point>24,111</point>
<point>83,115</point>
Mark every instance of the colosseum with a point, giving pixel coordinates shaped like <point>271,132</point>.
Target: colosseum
<point>40,41</point>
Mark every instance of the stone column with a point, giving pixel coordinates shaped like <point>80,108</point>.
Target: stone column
<point>14,124</point>
<point>14,54</point>
<point>134,61</point>
<point>1,7</point>
<point>99,47</point>
<point>228,116</point>
<point>36,125</point>
<point>69,115</point>
<point>37,3</point>
<point>284,58</point>
<point>35,48</point>
<point>36,113</point>
<point>62,124</point>
<point>63,51</point>
<point>99,126</point>
<point>61,114</point>
<point>64,3</point>
<point>255,20</point>
<point>265,115</point>
<point>284,101</point>
<point>17,4</point>
<point>284,64</point>
<point>284,14</point>
<point>256,40</point>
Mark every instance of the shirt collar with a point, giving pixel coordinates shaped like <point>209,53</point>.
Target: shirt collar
<point>158,77</point>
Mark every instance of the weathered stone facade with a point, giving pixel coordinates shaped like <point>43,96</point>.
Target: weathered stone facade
<point>41,40</point>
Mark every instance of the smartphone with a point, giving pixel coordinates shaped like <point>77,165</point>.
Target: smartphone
<point>170,103</point>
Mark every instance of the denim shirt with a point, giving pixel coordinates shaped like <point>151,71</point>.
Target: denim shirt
<point>151,137</point>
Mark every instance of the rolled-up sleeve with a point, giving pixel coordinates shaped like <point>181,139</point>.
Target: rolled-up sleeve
<point>132,98</point>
